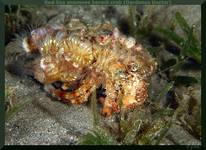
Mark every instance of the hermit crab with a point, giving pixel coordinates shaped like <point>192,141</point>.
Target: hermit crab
<point>84,57</point>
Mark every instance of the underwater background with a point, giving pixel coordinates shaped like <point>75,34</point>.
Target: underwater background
<point>172,113</point>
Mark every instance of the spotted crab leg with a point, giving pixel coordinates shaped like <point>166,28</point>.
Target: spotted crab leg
<point>135,93</point>
<point>81,94</point>
<point>110,105</point>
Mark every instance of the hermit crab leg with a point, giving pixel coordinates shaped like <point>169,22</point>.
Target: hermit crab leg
<point>110,105</point>
<point>135,93</point>
<point>75,97</point>
<point>79,95</point>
